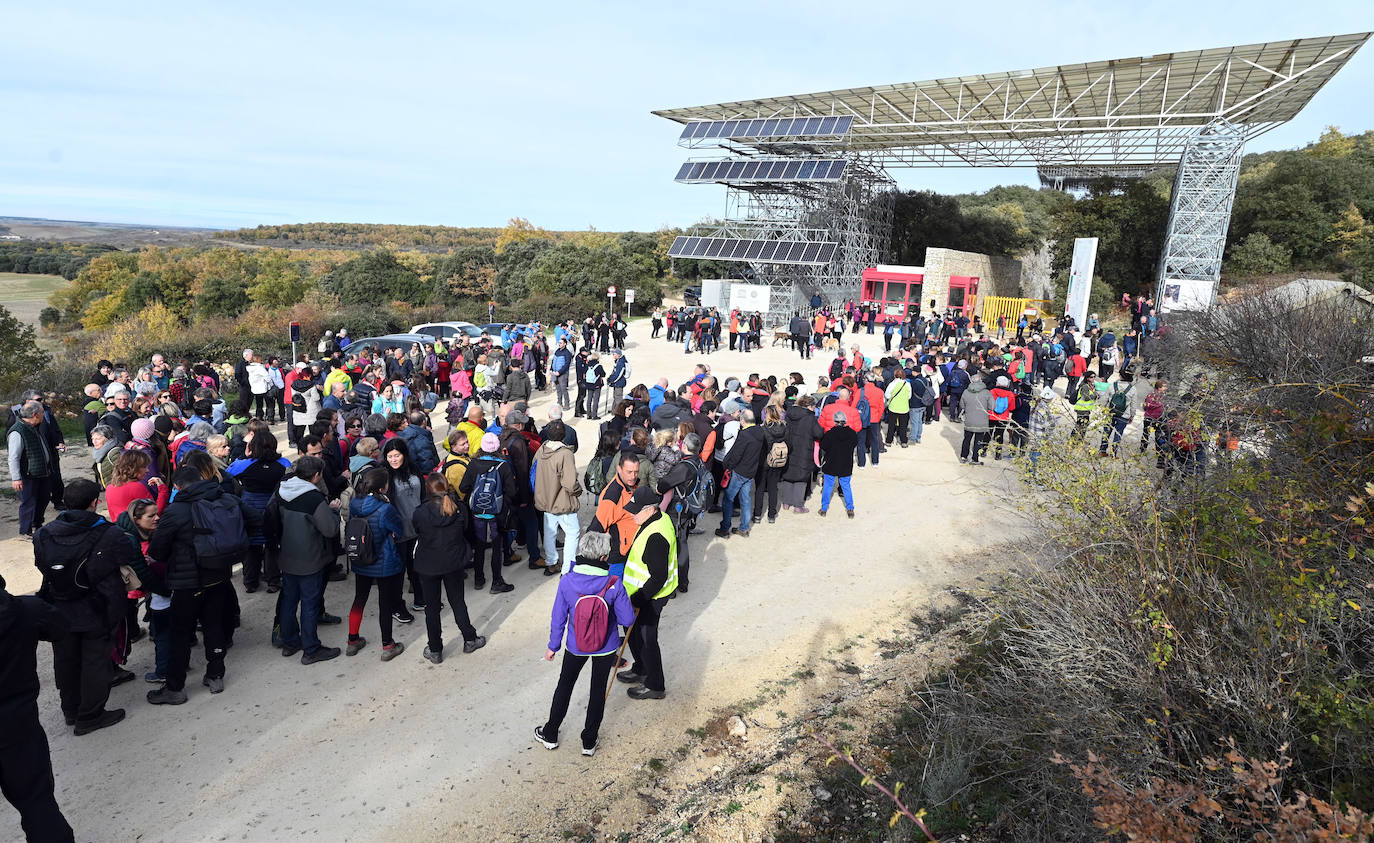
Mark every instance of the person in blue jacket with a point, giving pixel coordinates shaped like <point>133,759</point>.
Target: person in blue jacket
<point>386,569</point>
<point>589,576</point>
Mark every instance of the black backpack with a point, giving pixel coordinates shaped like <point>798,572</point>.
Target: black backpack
<point>696,491</point>
<point>67,580</point>
<point>358,546</point>
<point>219,536</point>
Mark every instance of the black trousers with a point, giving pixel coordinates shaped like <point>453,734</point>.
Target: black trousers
<point>435,585</point>
<point>213,607</point>
<point>897,427</point>
<point>648,658</point>
<point>766,483</point>
<point>684,524</point>
<point>26,779</point>
<point>260,560</point>
<point>33,503</point>
<point>81,667</point>
<point>388,601</point>
<point>498,556</point>
<point>596,703</point>
<point>972,440</point>
<point>997,431</point>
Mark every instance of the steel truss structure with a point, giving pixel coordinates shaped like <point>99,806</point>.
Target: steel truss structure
<point>1072,122</point>
<point>1199,214</point>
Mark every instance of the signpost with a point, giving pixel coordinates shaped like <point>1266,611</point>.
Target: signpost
<point>629,300</point>
<point>610,300</point>
<point>295,338</point>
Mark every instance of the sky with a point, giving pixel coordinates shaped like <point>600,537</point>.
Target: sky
<point>434,113</point>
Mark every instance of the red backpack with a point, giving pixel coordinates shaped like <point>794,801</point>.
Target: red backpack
<point>591,619</point>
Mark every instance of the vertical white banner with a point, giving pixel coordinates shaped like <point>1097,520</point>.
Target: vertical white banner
<point>1081,279</point>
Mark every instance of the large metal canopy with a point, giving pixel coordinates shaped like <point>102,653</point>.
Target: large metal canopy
<point>1119,115</point>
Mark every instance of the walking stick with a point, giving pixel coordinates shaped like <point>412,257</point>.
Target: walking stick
<point>623,642</point>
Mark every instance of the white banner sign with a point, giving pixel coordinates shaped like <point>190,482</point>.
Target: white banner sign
<point>1081,279</point>
<point>629,296</point>
<point>749,298</point>
<point>715,293</point>
<point>1184,294</point>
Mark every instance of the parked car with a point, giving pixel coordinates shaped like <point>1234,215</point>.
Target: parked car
<point>448,330</point>
<point>691,296</point>
<point>389,341</point>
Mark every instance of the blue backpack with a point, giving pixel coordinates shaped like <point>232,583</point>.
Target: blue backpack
<point>865,411</point>
<point>999,404</point>
<point>487,498</point>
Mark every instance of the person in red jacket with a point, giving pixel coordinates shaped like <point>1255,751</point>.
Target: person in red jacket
<point>1003,402</point>
<point>870,437</point>
<point>1076,365</point>
<point>845,405</point>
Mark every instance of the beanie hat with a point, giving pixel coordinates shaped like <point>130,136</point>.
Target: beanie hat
<point>142,429</point>
<point>163,424</point>
<point>490,443</point>
<point>1002,381</point>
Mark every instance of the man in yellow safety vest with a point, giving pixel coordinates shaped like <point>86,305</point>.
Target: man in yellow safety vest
<point>650,579</point>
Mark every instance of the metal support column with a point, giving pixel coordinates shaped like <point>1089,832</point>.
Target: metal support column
<point>1199,215</point>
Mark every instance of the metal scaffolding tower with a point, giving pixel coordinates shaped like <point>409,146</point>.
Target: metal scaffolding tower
<point>1125,117</point>
<point>1199,215</point>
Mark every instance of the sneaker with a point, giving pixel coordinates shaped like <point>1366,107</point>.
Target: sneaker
<point>106,718</point>
<point>475,644</point>
<point>215,684</point>
<point>639,692</point>
<point>539,736</point>
<point>772,519</point>
<point>821,513</point>
<point>849,512</point>
<point>536,564</point>
<point>121,676</point>
<point>323,654</point>
<point>273,588</point>
<point>479,583</point>
<point>629,677</point>
<point>391,651</point>
<point>152,677</point>
<point>402,616</point>
<point>338,575</point>
<point>250,589</point>
<point>501,587</point>
<point>355,645</point>
<point>903,444</point>
<point>327,619</point>
<point>723,533</point>
<point>744,534</point>
<point>963,460</point>
<point>165,696</point>
<point>552,571</point>
<point>290,649</point>
<point>417,606</point>
<point>433,657</point>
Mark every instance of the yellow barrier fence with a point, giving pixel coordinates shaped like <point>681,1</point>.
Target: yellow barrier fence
<point>1012,308</point>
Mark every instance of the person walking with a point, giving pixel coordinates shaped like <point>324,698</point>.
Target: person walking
<point>651,579</point>
<point>79,555</point>
<point>304,527</point>
<point>976,406</point>
<point>1121,407</point>
<point>557,490</point>
<point>26,775</point>
<point>441,554</point>
<point>588,580</point>
<point>837,448</point>
<point>385,569</point>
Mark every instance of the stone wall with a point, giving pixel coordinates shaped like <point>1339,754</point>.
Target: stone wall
<point>996,276</point>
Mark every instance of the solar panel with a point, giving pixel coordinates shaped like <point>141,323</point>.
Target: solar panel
<point>757,250</point>
<point>807,168</point>
<point>762,170</point>
<point>768,128</point>
<point>736,169</point>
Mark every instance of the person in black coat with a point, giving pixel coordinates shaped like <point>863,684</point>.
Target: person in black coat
<point>803,432</point>
<point>837,461</point>
<point>441,553</point>
<point>26,776</point>
<point>80,541</point>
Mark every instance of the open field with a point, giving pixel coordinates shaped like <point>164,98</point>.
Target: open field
<point>113,234</point>
<point>26,295</point>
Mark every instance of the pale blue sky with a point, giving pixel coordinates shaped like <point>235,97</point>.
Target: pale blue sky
<point>407,112</point>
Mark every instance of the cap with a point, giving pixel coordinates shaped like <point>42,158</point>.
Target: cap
<point>643,497</point>
<point>301,365</point>
<point>490,444</point>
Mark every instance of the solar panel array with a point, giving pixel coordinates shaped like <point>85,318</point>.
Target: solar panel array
<point>777,127</point>
<point>758,251</point>
<point>790,169</point>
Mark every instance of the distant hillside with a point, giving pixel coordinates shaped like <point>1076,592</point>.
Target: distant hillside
<point>347,235</point>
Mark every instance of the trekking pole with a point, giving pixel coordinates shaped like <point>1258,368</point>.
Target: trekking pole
<point>623,641</point>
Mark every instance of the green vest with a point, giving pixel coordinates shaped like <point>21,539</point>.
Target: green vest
<point>636,572</point>
<point>35,462</point>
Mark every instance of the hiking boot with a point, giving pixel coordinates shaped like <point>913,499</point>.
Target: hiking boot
<point>152,677</point>
<point>355,645</point>
<point>273,588</point>
<point>121,676</point>
<point>402,616</point>
<point>106,718</point>
<point>849,512</point>
<point>479,583</point>
<point>327,619</point>
<point>501,587</point>
<point>323,654</point>
<point>166,696</point>
<point>639,692</point>
<point>744,534</point>
<point>821,513</point>
<point>475,644</point>
<point>214,683</point>
<point>539,736</point>
<point>552,570</point>
<point>391,651</point>
<point>629,677</point>
<point>589,751</point>
<point>433,657</point>
<point>681,588</point>
<point>723,533</point>
<point>734,531</point>
<point>514,557</point>
<point>536,564</point>
<point>290,649</point>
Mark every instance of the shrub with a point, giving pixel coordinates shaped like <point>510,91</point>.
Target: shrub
<point>20,355</point>
<point>1258,255</point>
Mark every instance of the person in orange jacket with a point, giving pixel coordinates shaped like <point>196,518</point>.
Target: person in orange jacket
<point>999,412</point>
<point>870,435</point>
<point>845,405</point>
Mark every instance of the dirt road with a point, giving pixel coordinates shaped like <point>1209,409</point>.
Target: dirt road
<point>409,750</point>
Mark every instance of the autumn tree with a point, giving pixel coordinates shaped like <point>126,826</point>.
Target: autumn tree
<point>519,230</point>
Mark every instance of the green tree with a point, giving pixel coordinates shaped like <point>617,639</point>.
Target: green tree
<point>1129,219</point>
<point>375,278</point>
<point>277,279</point>
<point>467,273</point>
<point>20,355</point>
<point>513,265</point>
<point>221,296</point>
<point>1258,255</point>
<point>581,272</point>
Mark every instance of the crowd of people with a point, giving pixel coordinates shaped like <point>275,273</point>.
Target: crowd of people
<point>186,486</point>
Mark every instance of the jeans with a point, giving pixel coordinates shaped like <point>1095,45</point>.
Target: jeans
<point>870,444</point>
<point>1114,434</point>
<point>81,667</point>
<point>26,778</point>
<point>434,585</point>
<point>918,424</point>
<point>213,606</point>
<point>648,658</point>
<point>33,502</point>
<point>828,489</point>
<point>741,488</point>
<point>572,528</point>
<point>304,591</point>
<point>596,703</point>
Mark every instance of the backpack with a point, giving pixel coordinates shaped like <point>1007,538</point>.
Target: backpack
<point>534,468</point>
<point>922,389</point>
<point>1118,402</point>
<point>487,498</point>
<point>591,619</point>
<point>594,478</point>
<point>297,401</point>
<point>865,411</point>
<point>219,536</point>
<point>999,404</point>
<point>357,542</point>
<point>693,500</point>
<point>66,581</point>
<point>777,455</point>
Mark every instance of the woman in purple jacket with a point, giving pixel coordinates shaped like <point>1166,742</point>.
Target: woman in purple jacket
<point>589,576</point>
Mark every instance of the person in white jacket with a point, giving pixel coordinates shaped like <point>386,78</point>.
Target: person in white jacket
<point>258,384</point>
